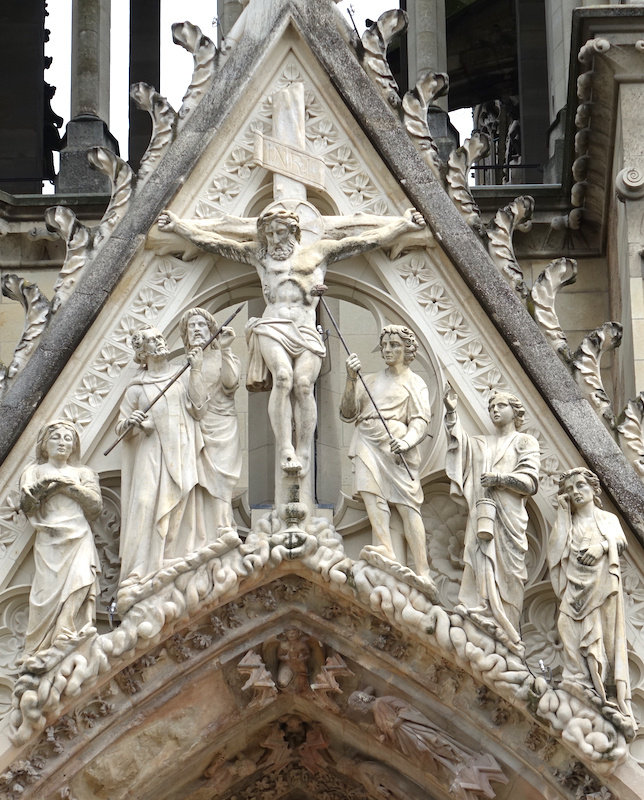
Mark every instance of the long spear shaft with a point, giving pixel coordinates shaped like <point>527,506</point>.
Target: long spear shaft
<point>318,292</point>
<point>176,377</point>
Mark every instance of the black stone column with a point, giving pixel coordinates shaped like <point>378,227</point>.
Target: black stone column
<point>22,88</point>
<point>532,56</point>
<point>145,65</point>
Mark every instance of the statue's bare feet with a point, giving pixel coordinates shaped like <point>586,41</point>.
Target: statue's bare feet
<point>304,460</point>
<point>290,463</point>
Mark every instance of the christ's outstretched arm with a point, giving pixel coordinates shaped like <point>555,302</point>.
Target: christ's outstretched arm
<point>206,239</point>
<point>336,250</point>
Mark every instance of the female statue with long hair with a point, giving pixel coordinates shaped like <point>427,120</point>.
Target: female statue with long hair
<point>61,496</point>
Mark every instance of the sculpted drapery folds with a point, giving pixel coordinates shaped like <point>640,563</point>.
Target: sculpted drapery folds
<point>61,496</point>
<point>404,727</point>
<point>285,349</point>
<point>583,555</point>
<point>380,476</point>
<point>164,507</point>
<point>219,462</point>
<point>494,475</point>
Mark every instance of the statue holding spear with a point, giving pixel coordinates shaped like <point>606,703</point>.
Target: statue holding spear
<point>391,412</point>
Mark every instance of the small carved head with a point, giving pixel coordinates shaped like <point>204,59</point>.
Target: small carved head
<point>184,322</point>
<point>140,341</point>
<point>513,401</point>
<point>566,480</point>
<point>42,456</point>
<point>278,232</point>
<point>406,336</point>
<point>363,701</point>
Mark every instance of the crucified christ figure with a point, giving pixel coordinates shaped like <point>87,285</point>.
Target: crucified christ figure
<point>286,351</point>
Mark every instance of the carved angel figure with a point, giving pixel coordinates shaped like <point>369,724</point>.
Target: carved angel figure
<point>495,475</point>
<point>61,496</point>
<point>583,555</point>
<point>294,658</point>
<point>379,477</point>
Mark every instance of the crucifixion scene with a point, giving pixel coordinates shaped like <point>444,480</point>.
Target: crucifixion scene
<point>319,475</point>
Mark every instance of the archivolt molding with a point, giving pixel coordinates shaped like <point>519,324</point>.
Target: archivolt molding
<point>204,581</point>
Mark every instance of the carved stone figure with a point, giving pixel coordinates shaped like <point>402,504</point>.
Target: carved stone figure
<point>411,732</point>
<point>407,729</point>
<point>293,654</point>
<point>163,505</point>
<point>584,547</point>
<point>220,458</point>
<point>293,658</point>
<point>222,774</point>
<point>61,496</point>
<point>380,477</point>
<point>286,350</point>
<point>494,475</point>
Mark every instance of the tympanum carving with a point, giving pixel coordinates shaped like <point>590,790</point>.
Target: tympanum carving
<point>417,737</point>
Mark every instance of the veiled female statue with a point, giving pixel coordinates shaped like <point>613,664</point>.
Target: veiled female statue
<point>61,496</point>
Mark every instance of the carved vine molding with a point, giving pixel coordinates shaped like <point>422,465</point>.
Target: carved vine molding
<point>202,586</point>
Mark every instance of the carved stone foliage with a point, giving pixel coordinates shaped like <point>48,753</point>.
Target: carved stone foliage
<point>27,772</point>
<point>37,310</point>
<point>459,163</point>
<point>541,303</point>
<point>164,119</point>
<point>586,55</point>
<point>205,56</point>
<point>375,41</point>
<point>516,215</point>
<point>295,777</point>
<point>430,86</point>
<point>181,590</point>
<point>81,243</point>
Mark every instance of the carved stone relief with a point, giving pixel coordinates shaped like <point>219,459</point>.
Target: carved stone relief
<point>210,576</point>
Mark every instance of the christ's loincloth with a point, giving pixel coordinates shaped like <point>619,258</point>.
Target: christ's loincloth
<point>295,341</point>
